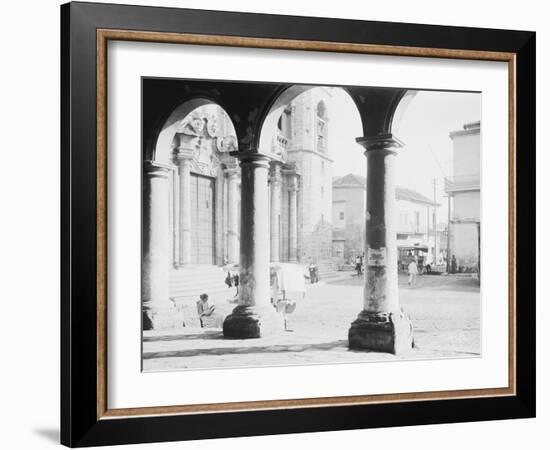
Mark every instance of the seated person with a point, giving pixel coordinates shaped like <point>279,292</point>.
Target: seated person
<point>207,315</point>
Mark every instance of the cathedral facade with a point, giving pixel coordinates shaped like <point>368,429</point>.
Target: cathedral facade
<point>205,187</point>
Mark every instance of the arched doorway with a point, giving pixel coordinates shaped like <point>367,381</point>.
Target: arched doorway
<point>203,206</point>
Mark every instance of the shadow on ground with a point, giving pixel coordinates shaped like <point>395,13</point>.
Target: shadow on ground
<point>203,336</point>
<point>278,348</point>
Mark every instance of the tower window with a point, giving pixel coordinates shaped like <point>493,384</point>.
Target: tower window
<point>321,127</point>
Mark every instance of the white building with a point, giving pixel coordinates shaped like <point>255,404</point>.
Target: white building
<point>463,188</point>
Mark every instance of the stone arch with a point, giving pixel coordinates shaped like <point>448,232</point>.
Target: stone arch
<point>196,144</point>
<point>381,109</point>
<point>401,108</point>
<point>163,147</point>
<point>268,125</point>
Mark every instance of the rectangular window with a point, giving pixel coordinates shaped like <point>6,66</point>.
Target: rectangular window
<point>341,215</point>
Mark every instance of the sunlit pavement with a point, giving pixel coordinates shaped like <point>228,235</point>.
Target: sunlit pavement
<point>445,311</point>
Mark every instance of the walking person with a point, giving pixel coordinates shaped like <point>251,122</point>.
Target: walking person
<point>358,265</point>
<point>453,264</point>
<point>236,284</point>
<point>229,280</point>
<point>413,272</point>
<point>313,272</point>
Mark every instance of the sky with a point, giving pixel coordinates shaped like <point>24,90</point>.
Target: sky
<point>424,129</point>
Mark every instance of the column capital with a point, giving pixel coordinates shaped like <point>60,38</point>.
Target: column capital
<point>231,172</point>
<point>254,158</point>
<point>385,142</point>
<point>293,184</point>
<point>292,173</point>
<point>157,169</point>
<point>291,169</point>
<point>276,172</point>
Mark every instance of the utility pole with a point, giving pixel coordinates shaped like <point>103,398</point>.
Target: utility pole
<point>449,233</point>
<point>435,223</point>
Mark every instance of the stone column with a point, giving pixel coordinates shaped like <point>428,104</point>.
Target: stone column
<point>254,316</point>
<point>175,217</point>
<point>184,157</point>
<point>232,215</point>
<point>293,218</point>
<point>381,325</point>
<point>276,195</point>
<point>156,306</point>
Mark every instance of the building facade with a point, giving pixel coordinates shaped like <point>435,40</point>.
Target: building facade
<point>348,217</point>
<point>463,189</point>
<point>414,224</point>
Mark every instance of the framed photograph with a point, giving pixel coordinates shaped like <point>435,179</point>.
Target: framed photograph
<point>277,224</point>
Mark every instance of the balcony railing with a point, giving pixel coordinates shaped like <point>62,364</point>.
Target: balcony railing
<point>462,183</point>
<point>279,144</point>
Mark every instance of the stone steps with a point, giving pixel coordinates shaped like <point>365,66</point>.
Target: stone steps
<point>187,284</point>
<point>328,270</point>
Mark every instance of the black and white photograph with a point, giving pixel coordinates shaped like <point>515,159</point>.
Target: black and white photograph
<point>289,224</point>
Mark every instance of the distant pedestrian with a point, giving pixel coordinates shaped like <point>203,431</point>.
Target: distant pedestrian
<point>229,280</point>
<point>313,272</point>
<point>413,272</point>
<point>453,264</point>
<point>236,284</point>
<point>358,265</point>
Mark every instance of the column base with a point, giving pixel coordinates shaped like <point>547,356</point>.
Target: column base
<point>247,322</point>
<point>381,332</point>
<point>159,320</point>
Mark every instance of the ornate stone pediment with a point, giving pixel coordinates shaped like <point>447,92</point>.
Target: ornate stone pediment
<point>199,134</point>
<point>227,144</point>
<point>211,126</point>
<point>193,125</point>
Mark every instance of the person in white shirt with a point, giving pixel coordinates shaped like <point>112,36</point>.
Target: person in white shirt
<point>413,272</point>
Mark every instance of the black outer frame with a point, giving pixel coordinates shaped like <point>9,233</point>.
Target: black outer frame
<point>79,423</point>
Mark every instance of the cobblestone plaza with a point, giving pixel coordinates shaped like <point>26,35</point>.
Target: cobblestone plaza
<point>445,311</point>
